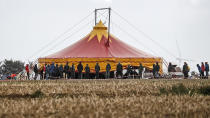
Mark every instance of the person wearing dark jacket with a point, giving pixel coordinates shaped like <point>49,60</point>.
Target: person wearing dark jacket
<point>41,71</point>
<point>47,71</point>
<point>72,71</point>
<point>199,69</point>
<point>119,70</point>
<point>207,70</point>
<point>108,68</point>
<point>202,70</point>
<point>154,70</point>
<point>80,69</point>
<point>36,71</point>
<point>170,68</point>
<point>129,71</point>
<point>69,73</point>
<point>66,68</point>
<point>52,69</point>
<point>141,68</point>
<point>61,71</point>
<point>185,70</point>
<point>57,71</point>
<point>157,70</point>
<point>97,69</point>
<point>87,72</point>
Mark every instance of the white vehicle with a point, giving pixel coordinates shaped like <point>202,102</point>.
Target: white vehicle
<point>176,74</point>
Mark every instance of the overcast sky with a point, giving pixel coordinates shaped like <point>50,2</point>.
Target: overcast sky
<point>28,25</point>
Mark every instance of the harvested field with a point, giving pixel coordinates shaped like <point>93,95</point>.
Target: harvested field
<point>105,98</point>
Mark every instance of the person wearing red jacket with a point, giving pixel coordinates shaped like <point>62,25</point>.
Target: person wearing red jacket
<point>27,70</point>
<point>202,70</point>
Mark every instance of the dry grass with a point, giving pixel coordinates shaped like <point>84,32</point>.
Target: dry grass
<point>101,98</point>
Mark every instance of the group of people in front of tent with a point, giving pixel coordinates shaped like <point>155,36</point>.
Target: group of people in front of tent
<point>68,72</point>
<point>203,70</point>
<point>185,69</point>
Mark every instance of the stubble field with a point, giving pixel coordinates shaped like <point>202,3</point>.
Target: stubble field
<point>104,98</point>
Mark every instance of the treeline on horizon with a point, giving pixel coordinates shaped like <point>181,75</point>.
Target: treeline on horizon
<point>10,66</point>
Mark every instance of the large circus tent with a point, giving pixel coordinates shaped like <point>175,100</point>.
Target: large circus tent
<point>99,46</point>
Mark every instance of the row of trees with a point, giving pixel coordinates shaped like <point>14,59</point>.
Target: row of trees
<point>11,66</point>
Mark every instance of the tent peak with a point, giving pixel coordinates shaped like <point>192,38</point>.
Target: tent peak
<point>99,30</point>
<point>100,26</point>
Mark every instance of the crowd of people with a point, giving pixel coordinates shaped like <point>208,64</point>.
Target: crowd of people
<point>71,72</point>
<point>203,70</point>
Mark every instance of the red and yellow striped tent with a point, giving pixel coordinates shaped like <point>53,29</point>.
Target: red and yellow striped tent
<point>93,48</point>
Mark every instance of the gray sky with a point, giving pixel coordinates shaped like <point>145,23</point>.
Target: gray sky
<point>28,25</point>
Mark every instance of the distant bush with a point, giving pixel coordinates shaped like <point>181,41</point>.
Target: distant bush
<point>180,89</point>
<point>11,66</point>
<point>37,94</point>
<point>163,91</point>
<point>205,90</point>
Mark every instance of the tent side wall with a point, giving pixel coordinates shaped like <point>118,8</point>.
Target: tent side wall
<point>146,62</point>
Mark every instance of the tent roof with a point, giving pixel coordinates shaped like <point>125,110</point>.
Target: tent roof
<point>94,45</point>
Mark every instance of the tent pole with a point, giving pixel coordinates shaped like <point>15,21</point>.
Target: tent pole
<point>109,25</point>
<point>109,10</point>
<point>95,16</point>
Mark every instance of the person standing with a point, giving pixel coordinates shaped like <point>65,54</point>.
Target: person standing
<point>69,73</point>
<point>80,69</point>
<point>47,71</point>
<point>199,69</point>
<point>97,69</point>
<point>44,70</point>
<point>35,71</point>
<point>108,68</point>
<point>52,70</point>
<point>170,68</point>
<point>202,70</point>
<point>157,72</point>
<point>119,70</point>
<point>185,70</point>
<point>66,68</point>
<point>141,68</point>
<point>154,70</point>
<point>72,71</point>
<point>61,71</point>
<point>129,70</point>
<point>57,71</point>
<point>27,71</point>
<point>41,70</point>
<point>87,72</point>
<point>207,70</point>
